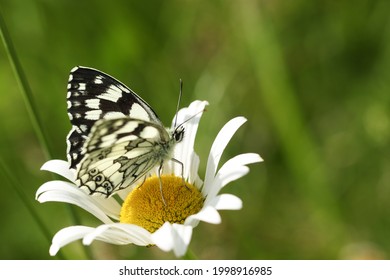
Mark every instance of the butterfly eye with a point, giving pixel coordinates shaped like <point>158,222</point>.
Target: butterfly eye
<point>178,134</point>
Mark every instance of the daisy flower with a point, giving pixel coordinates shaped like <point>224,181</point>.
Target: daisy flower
<point>144,218</point>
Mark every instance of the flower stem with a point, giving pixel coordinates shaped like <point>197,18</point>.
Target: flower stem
<point>23,197</point>
<point>24,87</point>
<point>33,115</point>
<point>189,255</point>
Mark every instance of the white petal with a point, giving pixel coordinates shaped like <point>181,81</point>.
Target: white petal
<point>66,236</point>
<point>120,234</point>
<point>163,237</point>
<point>109,205</point>
<point>173,237</point>
<point>194,168</point>
<point>219,145</point>
<point>184,151</point>
<point>61,191</point>
<point>232,170</point>
<point>190,114</point>
<point>222,179</point>
<point>123,193</point>
<point>59,167</point>
<point>226,202</point>
<point>208,214</point>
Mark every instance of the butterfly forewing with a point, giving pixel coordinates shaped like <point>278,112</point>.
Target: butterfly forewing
<point>94,95</point>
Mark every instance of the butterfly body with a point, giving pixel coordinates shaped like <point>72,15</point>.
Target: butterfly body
<point>116,138</point>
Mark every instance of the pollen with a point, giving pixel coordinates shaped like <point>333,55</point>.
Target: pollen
<point>144,206</point>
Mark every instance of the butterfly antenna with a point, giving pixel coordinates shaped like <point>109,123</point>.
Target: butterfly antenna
<point>193,116</point>
<point>178,101</point>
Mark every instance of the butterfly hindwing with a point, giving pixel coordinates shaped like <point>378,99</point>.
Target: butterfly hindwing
<point>120,152</point>
<point>94,95</point>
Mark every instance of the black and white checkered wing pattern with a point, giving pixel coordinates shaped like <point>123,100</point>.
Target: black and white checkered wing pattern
<point>116,138</point>
<point>119,152</point>
<point>94,95</point>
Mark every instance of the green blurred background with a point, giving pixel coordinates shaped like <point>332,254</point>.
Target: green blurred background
<point>312,77</point>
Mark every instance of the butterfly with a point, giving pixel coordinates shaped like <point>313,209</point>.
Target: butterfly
<point>116,137</point>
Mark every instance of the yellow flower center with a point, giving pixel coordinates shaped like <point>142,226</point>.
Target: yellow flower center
<point>144,206</point>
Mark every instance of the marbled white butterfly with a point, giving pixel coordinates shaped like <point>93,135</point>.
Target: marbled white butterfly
<point>116,138</point>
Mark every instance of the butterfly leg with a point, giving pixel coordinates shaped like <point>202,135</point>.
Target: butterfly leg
<point>159,178</point>
<point>182,170</point>
<point>143,181</point>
